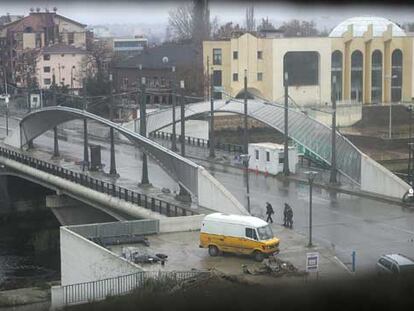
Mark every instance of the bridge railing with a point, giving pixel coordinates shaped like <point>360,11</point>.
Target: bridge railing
<point>199,142</point>
<point>143,200</point>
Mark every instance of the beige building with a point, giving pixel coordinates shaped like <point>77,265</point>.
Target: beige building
<point>61,63</point>
<point>371,59</point>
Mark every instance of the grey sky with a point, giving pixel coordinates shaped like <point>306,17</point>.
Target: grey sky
<point>156,12</point>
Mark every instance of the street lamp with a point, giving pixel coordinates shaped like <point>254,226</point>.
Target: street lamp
<point>390,123</point>
<point>182,119</point>
<point>332,178</point>
<point>174,104</point>
<point>286,144</point>
<point>212,138</point>
<point>246,158</point>
<point>311,176</point>
<point>111,98</point>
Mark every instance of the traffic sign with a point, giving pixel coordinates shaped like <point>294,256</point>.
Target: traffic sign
<point>312,262</point>
<point>410,192</point>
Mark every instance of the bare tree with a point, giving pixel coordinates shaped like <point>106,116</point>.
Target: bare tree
<point>250,20</point>
<point>225,31</point>
<point>180,21</point>
<point>266,25</point>
<point>296,28</point>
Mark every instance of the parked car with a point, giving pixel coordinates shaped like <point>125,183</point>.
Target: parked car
<point>395,263</point>
<point>237,234</point>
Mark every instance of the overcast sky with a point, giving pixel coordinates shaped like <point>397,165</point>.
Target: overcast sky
<point>156,12</point>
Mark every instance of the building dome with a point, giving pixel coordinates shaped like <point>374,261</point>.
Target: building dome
<point>360,26</point>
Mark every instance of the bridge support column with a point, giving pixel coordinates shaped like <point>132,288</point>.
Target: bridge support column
<point>55,143</point>
<point>112,169</point>
<point>143,132</point>
<point>85,145</point>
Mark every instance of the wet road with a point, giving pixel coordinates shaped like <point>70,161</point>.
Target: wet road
<point>340,221</point>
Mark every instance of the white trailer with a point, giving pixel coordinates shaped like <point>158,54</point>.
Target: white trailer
<point>268,158</point>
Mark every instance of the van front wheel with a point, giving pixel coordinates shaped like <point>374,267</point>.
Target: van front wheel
<point>258,256</point>
<point>213,250</point>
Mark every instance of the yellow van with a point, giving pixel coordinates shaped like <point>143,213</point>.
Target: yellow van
<point>237,234</point>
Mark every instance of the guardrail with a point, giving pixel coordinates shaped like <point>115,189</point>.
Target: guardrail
<point>199,142</point>
<point>99,290</point>
<point>113,190</point>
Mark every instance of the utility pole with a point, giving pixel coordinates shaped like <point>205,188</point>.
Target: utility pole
<point>212,138</point>
<point>112,170</point>
<point>143,131</point>
<point>311,176</point>
<point>286,171</point>
<point>56,143</point>
<point>111,99</point>
<point>174,104</point>
<point>246,144</point>
<point>85,145</point>
<point>410,147</point>
<point>182,119</point>
<point>333,179</point>
<point>7,102</point>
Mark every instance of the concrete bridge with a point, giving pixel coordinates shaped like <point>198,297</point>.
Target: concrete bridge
<point>205,190</point>
<point>310,134</point>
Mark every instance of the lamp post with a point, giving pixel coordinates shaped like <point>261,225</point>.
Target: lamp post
<point>111,98</point>
<point>174,104</point>
<point>410,154</point>
<point>332,178</point>
<point>71,78</point>
<point>143,132</point>
<point>182,119</point>
<point>286,171</point>
<point>245,157</point>
<point>311,176</point>
<point>390,117</point>
<point>212,138</point>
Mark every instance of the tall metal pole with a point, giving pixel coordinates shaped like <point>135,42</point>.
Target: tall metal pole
<point>182,125</point>
<point>286,171</point>
<point>246,144</point>
<point>143,131</point>
<point>174,104</point>
<point>111,98</point>
<point>390,123</point>
<point>56,143</point>
<point>85,145</point>
<point>333,179</point>
<point>7,103</point>
<point>212,138</point>
<point>112,169</point>
<point>410,151</point>
<point>310,210</point>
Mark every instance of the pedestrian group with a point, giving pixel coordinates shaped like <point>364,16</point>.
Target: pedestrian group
<point>287,215</point>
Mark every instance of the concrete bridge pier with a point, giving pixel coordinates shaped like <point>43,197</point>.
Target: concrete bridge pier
<point>4,193</point>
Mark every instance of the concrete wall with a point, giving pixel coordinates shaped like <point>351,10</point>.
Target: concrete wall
<point>183,223</point>
<point>214,195</point>
<point>377,179</point>
<point>85,261</point>
<point>345,115</point>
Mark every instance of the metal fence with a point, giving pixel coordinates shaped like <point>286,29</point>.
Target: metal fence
<point>154,204</point>
<point>98,290</point>
<point>199,142</point>
<point>116,229</point>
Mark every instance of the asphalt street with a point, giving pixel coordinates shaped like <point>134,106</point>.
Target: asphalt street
<point>342,222</point>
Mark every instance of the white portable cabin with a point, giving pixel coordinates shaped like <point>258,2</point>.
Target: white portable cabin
<point>269,158</point>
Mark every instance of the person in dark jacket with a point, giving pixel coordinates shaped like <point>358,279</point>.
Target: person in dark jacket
<point>289,217</point>
<point>269,212</point>
<point>285,214</point>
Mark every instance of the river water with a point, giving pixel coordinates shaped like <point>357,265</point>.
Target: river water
<point>29,249</point>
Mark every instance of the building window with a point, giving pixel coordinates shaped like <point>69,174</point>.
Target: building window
<point>396,75</point>
<point>235,77</point>
<point>302,68</point>
<point>260,76</point>
<point>217,81</point>
<point>46,57</point>
<point>46,81</point>
<point>336,71</point>
<point>281,157</point>
<point>46,69</point>
<point>235,55</point>
<point>376,77</point>
<point>259,54</point>
<point>125,83</point>
<point>267,156</point>
<point>216,56</point>
<point>256,154</point>
<point>71,37</point>
<point>38,40</point>
<point>356,76</point>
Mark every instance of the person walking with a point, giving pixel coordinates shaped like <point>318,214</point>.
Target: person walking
<point>285,215</point>
<point>269,212</point>
<point>290,218</point>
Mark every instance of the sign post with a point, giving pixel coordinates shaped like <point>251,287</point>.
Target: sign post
<point>312,263</point>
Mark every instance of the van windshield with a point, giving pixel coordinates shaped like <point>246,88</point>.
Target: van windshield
<point>265,233</point>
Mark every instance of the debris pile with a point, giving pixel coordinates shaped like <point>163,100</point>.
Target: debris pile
<point>273,266</point>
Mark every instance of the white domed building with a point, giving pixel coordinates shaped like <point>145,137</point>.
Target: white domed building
<point>371,59</point>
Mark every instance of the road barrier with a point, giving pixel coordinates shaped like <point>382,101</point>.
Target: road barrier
<point>143,200</point>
